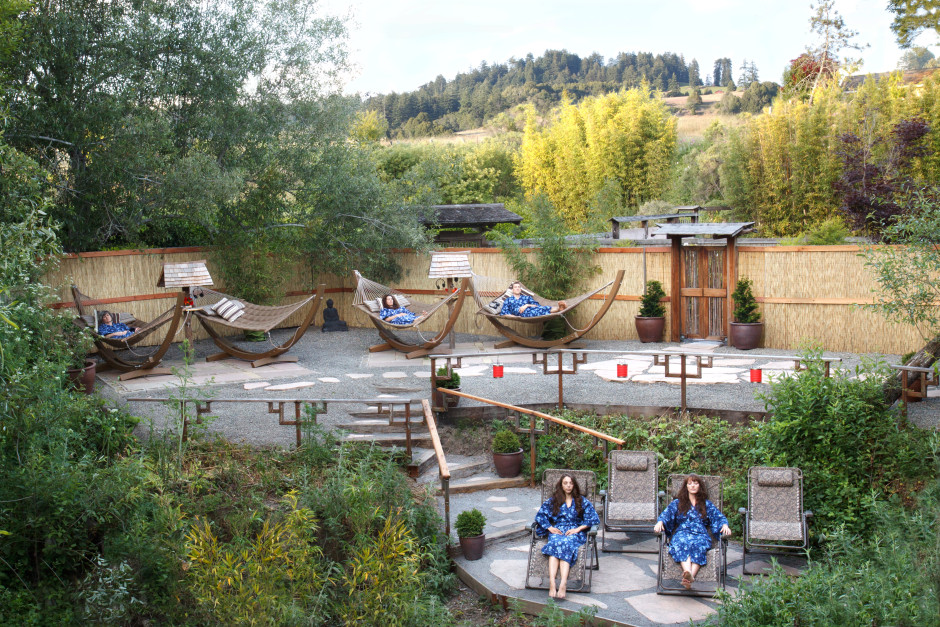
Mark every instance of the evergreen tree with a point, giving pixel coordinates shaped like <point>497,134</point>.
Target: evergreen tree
<point>694,78</point>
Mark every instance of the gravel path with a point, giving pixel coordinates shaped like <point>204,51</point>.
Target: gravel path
<point>352,372</point>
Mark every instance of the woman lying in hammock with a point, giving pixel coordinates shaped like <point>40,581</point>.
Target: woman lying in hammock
<point>117,330</point>
<point>524,306</point>
<point>394,314</point>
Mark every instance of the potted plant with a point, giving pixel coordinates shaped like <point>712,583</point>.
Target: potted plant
<point>651,321</point>
<point>746,330</point>
<point>81,370</point>
<point>507,453</point>
<point>453,383</point>
<point>469,527</point>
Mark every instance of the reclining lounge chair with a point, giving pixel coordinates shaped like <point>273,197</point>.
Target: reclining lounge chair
<point>632,499</point>
<point>774,520</point>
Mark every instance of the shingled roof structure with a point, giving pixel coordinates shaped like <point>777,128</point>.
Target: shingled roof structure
<point>479,217</point>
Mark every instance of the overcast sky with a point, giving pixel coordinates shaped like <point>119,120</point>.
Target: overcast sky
<point>398,45</point>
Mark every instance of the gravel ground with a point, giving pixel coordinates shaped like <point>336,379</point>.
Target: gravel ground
<point>340,354</point>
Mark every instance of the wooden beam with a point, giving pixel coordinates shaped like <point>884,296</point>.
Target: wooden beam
<point>676,286</point>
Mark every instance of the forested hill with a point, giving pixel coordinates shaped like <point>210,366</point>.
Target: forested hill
<point>472,98</point>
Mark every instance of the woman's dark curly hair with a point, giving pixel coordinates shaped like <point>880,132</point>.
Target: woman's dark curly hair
<point>558,497</point>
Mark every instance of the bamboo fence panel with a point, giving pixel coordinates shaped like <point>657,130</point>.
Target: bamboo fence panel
<point>828,285</point>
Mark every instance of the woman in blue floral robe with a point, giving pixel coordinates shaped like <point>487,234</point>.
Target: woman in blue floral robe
<point>691,519</point>
<point>395,314</point>
<point>566,517</point>
<point>115,330</point>
<point>524,306</point>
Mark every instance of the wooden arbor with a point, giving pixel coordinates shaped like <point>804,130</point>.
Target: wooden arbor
<point>703,278</point>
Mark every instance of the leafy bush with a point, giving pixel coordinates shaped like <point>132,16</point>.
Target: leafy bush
<point>745,306</point>
<point>651,304</point>
<point>470,523</point>
<point>851,446</point>
<point>891,578</point>
<point>453,383</point>
<point>506,441</point>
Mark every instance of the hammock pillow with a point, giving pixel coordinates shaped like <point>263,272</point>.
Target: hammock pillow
<point>231,310</point>
<point>496,305</point>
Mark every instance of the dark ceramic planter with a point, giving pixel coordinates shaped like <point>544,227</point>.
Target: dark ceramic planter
<point>746,335</point>
<point>473,547</point>
<point>439,399</point>
<point>83,378</point>
<point>650,329</point>
<point>508,464</point>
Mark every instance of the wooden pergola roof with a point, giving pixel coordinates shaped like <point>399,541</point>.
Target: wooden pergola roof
<point>473,216</point>
<point>715,229</point>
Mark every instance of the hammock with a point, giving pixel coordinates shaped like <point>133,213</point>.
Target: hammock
<point>488,292</point>
<point>368,297</point>
<point>132,364</point>
<point>253,318</point>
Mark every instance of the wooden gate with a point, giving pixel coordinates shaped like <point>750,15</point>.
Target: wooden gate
<point>703,293</point>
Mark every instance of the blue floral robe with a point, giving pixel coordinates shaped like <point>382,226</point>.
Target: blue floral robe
<point>559,545</point>
<point>512,304</point>
<point>690,534</point>
<point>408,318</point>
<point>117,327</point>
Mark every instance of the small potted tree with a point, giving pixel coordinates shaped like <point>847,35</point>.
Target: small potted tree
<point>746,330</point>
<point>651,320</point>
<point>453,383</point>
<point>507,453</point>
<point>469,526</point>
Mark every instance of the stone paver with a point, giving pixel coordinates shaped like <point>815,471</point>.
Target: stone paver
<point>669,609</point>
<point>360,375</point>
<point>256,385</point>
<point>297,385</point>
<point>508,522</point>
<point>328,379</point>
<point>507,510</point>
<point>497,499</point>
<point>394,375</point>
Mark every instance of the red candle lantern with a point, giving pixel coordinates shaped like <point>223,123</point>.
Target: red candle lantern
<point>497,371</point>
<point>755,375</point>
<point>621,371</point>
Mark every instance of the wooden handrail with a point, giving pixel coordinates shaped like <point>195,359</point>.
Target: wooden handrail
<point>435,439</point>
<point>532,412</point>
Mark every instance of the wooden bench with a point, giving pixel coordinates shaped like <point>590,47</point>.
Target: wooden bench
<point>915,389</point>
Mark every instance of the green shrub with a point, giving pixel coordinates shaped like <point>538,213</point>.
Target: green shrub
<point>470,523</point>
<point>506,441</point>
<point>851,446</point>
<point>890,578</point>
<point>745,306</point>
<point>651,304</point>
<point>453,383</point>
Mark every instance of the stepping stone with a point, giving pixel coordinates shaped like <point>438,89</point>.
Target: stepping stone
<point>506,523</point>
<point>358,376</point>
<point>522,548</point>
<point>328,379</point>
<point>423,375</point>
<point>394,375</point>
<point>289,386</point>
<point>497,499</point>
<point>512,572</point>
<point>580,599</point>
<point>517,370</point>
<point>620,575</point>
<point>256,385</point>
<point>507,510</point>
<point>669,609</point>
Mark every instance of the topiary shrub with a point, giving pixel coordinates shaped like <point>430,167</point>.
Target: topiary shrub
<point>470,523</point>
<point>450,384</point>
<point>651,305</point>
<point>506,441</point>
<point>745,309</point>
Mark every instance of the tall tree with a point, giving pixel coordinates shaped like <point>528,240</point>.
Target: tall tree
<point>917,58</point>
<point>912,17</point>
<point>694,78</point>
<point>832,37</point>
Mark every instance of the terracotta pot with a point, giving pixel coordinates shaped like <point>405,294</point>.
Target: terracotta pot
<point>439,399</point>
<point>650,329</point>
<point>745,335</point>
<point>473,547</point>
<point>83,378</point>
<point>508,464</point>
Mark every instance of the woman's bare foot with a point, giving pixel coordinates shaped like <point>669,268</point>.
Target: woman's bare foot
<point>687,580</point>
<point>562,305</point>
<point>551,593</point>
<point>561,593</point>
